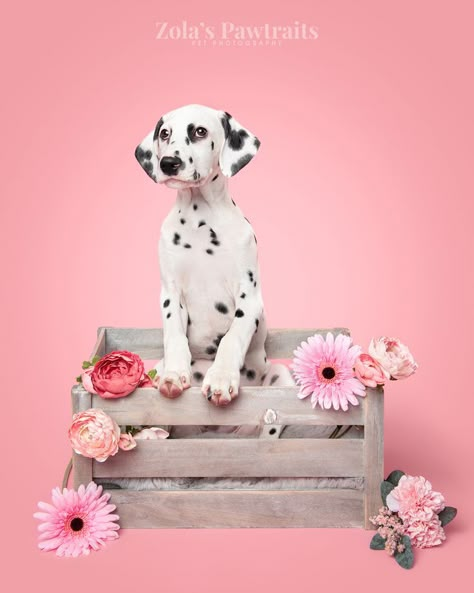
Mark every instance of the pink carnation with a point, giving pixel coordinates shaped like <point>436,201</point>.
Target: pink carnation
<point>368,371</point>
<point>425,534</point>
<point>415,500</point>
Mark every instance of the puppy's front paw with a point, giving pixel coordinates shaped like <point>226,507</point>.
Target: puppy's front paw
<point>172,383</point>
<point>220,386</point>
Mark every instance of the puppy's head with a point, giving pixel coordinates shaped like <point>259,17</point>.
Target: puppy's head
<point>190,145</point>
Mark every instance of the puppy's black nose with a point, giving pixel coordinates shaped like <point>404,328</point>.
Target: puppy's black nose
<point>170,164</point>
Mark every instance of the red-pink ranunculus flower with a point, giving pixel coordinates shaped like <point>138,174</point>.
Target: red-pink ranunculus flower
<point>415,500</point>
<point>117,374</point>
<point>425,534</point>
<point>368,371</point>
<point>94,434</point>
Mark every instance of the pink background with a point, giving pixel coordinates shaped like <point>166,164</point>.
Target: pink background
<point>367,224</point>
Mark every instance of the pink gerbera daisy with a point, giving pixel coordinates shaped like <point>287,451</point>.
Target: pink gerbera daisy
<point>324,369</point>
<point>76,522</point>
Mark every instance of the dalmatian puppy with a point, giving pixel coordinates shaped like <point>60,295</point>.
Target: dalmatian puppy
<point>214,326</point>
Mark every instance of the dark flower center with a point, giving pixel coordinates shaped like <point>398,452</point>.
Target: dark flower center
<point>328,373</point>
<point>77,524</point>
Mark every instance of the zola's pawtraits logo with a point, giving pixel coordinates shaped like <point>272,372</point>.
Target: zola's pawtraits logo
<point>233,34</point>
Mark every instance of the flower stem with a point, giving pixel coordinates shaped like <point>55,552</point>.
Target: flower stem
<point>67,473</point>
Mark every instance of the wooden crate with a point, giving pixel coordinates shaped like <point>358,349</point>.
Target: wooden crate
<point>271,407</point>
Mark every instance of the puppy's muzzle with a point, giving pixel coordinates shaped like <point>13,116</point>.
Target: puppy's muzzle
<point>170,164</point>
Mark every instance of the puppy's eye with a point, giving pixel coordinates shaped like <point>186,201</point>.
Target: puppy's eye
<point>164,134</point>
<point>201,132</point>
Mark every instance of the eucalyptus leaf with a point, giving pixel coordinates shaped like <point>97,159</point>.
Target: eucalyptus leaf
<point>86,364</point>
<point>395,476</point>
<point>385,488</point>
<point>447,515</point>
<point>95,359</point>
<point>152,373</point>
<point>377,542</point>
<point>79,379</point>
<point>405,559</point>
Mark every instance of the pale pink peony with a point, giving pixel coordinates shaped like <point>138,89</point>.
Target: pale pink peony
<point>94,434</point>
<point>87,381</point>
<point>394,357</point>
<point>368,371</point>
<point>323,368</point>
<point>152,433</point>
<point>415,500</point>
<point>117,374</point>
<point>425,534</point>
<point>76,522</point>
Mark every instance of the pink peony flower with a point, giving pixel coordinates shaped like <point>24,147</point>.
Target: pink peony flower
<point>414,500</point>
<point>87,381</point>
<point>368,371</point>
<point>323,368</point>
<point>76,522</point>
<point>425,534</point>
<point>94,434</point>
<point>394,357</point>
<point>117,374</point>
<point>126,442</point>
<point>152,433</point>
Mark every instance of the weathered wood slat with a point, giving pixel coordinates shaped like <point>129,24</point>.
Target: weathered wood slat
<point>146,406</point>
<point>239,508</point>
<point>99,347</point>
<point>373,453</point>
<point>148,342</point>
<point>82,466</point>
<point>284,458</point>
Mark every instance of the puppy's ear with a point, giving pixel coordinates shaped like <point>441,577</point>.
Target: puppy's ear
<point>239,148</point>
<point>145,152</point>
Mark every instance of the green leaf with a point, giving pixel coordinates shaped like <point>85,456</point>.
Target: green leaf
<point>152,373</point>
<point>447,515</point>
<point>86,364</point>
<point>95,360</point>
<point>79,379</point>
<point>405,559</point>
<point>395,476</point>
<point>377,542</point>
<point>385,488</point>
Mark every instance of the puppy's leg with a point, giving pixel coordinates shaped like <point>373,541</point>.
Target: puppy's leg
<point>278,375</point>
<point>176,371</point>
<point>222,380</point>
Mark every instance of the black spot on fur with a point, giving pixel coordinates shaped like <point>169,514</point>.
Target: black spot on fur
<point>191,159</point>
<point>265,359</point>
<point>209,251</point>
<point>225,124</point>
<point>157,128</point>
<point>217,341</point>
<point>222,308</point>
<point>242,296</point>
<point>182,221</point>
<point>180,306</point>
<point>195,206</point>
<point>212,145</point>
<point>168,316</point>
<point>211,350</point>
<point>186,140</point>
<point>215,177</point>
<point>233,202</point>
<point>243,370</point>
<point>192,362</point>
<point>148,166</point>
<point>263,376</point>
<point>273,379</point>
<point>255,283</point>
<point>166,303</point>
<point>240,164</point>
<point>190,131</point>
<point>256,322</point>
<point>189,320</point>
<point>201,223</point>
<point>239,313</point>
<point>255,238</point>
<point>212,233</point>
<point>195,175</point>
<point>176,239</point>
<point>256,143</point>
<point>187,246</point>
<point>215,242</point>
<point>251,374</point>
<point>176,152</point>
<point>198,376</point>
<point>237,139</point>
